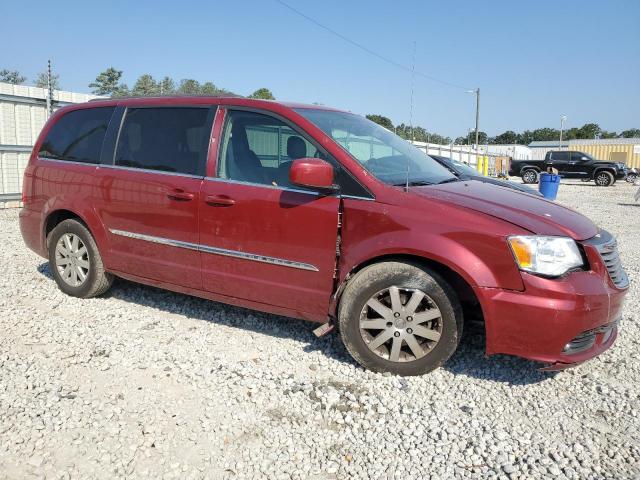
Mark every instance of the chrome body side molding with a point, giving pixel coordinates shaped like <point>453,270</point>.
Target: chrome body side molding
<point>216,251</point>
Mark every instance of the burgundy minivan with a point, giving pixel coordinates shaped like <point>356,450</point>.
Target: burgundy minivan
<point>319,214</point>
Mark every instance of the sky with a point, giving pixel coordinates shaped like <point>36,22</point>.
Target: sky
<point>533,61</point>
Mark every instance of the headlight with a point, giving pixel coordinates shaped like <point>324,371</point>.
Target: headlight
<point>552,256</point>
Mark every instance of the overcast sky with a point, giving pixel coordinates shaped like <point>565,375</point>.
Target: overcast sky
<point>533,61</point>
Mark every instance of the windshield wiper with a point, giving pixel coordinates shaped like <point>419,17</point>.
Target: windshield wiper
<point>414,183</point>
<point>449,180</point>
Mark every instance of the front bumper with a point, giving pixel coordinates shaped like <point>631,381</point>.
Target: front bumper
<point>541,322</point>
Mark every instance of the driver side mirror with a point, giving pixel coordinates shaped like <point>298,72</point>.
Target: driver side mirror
<point>312,172</point>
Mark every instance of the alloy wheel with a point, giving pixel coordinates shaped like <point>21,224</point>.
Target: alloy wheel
<point>529,176</point>
<point>72,259</point>
<point>603,179</point>
<point>401,324</point>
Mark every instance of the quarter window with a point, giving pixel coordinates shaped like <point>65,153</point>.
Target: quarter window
<point>169,139</point>
<point>77,136</point>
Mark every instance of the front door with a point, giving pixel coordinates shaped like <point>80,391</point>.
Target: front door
<point>579,166</point>
<point>148,198</point>
<point>261,238</point>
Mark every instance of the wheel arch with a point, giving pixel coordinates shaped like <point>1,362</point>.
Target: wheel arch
<point>609,170</point>
<point>460,281</point>
<point>529,167</point>
<point>86,217</point>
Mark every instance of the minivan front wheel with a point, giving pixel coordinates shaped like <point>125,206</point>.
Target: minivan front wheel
<point>75,261</point>
<point>398,317</point>
<point>604,179</point>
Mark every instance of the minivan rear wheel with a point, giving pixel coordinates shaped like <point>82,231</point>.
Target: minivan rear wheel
<point>75,261</point>
<point>530,176</point>
<point>399,317</point>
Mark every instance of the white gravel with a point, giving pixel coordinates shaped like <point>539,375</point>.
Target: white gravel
<point>145,383</point>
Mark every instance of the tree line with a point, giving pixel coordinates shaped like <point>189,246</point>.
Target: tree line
<point>109,83</point>
<point>587,131</point>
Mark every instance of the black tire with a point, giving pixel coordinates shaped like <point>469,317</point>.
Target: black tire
<point>97,281</point>
<point>631,178</point>
<point>604,178</point>
<point>530,176</point>
<point>375,278</point>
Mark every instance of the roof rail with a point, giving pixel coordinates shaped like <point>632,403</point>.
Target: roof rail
<point>172,95</point>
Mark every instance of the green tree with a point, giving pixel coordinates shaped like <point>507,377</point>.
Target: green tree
<point>631,133</point>
<point>189,86</point>
<point>381,120</point>
<point>605,134</point>
<point>460,141</point>
<point>41,81</point>
<point>167,86</point>
<point>208,88</point>
<point>145,86</point>
<point>541,134</point>
<point>506,138</point>
<point>121,90</point>
<point>263,93</point>
<point>107,83</point>
<point>12,76</point>
<point>590,130</point>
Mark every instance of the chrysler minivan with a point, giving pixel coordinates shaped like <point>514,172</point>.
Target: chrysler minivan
<point>318,214</point>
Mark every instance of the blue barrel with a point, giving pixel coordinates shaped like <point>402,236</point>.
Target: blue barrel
<point>549,183</point>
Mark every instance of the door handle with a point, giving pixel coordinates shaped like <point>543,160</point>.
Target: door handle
<point>219,201</point>
<point>179,194</point>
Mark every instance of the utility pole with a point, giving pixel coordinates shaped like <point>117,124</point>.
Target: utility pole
<point>562,120</point>
<point>477,93</point>
<point>477,114</point>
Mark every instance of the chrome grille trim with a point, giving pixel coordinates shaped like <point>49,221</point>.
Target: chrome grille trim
<point>216,251</point>
<point>607,247</point>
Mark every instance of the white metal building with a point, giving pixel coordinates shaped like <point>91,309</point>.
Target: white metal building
<point>23,112</point>
<point>515,152</point>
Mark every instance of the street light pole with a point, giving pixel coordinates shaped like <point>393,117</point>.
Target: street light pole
<point>562,120</point>
<point>477,114</point>
<point>477,92</point>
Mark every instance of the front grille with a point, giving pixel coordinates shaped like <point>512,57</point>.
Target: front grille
<point>586,340</point>
<point>608,250</point>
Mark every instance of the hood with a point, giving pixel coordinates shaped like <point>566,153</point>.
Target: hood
<point>538,215</point>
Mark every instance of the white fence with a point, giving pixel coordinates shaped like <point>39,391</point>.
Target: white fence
<point>23,112</point>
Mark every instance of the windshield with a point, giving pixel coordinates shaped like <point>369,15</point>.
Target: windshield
<point>381,152</point>
<point>465,169</point>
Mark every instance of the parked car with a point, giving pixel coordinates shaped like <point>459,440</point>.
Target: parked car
<point>570,164</point>
<point>318,214</point>
<point>465,172</point>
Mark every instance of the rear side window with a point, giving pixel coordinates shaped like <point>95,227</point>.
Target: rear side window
<point>77,136</point>
<point>171,139</point>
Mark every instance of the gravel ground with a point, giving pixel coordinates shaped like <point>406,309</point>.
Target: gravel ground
<point>145,383</point>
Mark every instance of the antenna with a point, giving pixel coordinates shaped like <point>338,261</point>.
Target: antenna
<point>413,76</point>
<point>49,90</point>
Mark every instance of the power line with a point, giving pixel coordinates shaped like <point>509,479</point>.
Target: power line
<point>368,50</point>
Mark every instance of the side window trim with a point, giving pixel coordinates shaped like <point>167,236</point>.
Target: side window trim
<point>117,124</point>
<point>338,167</point>
<point>108,152</point>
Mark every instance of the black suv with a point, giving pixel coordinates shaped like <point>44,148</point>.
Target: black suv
<point>570,164</point>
